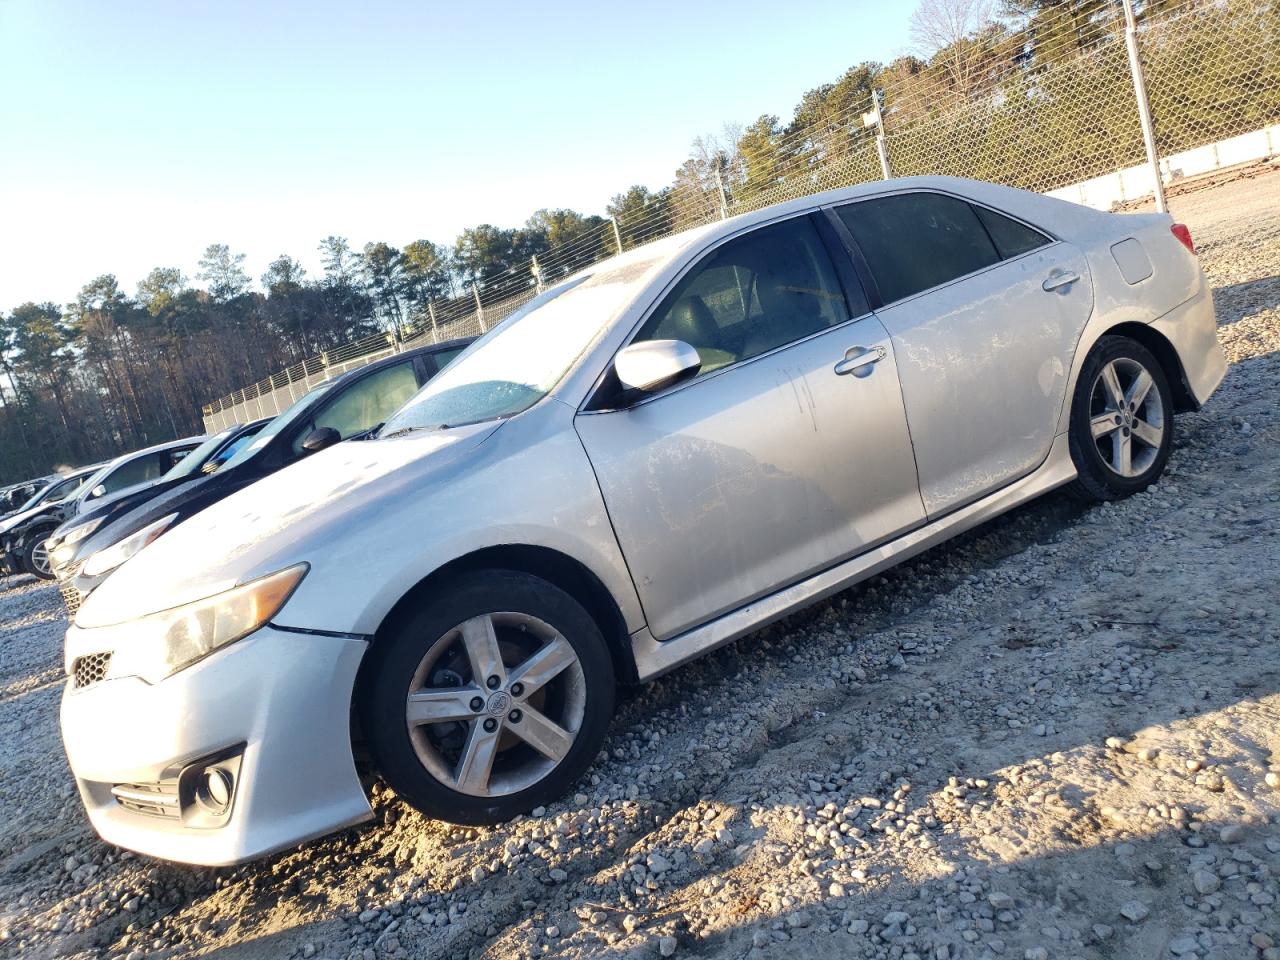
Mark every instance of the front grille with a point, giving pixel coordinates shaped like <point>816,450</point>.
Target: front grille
<point>152,799</point>
<point>71,597</point>
<point>90,669</point>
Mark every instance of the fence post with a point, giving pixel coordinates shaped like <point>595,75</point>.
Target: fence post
<point>431,312</point>
<point>1140,94</point>
<point>875,118</point>
<point>479,306</point>
<point>724,200</point>
<point>617,234</point>
<point>536,268</point>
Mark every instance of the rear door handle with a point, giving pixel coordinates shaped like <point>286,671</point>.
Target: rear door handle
<point>860,358</point>
<point>1059,279</point>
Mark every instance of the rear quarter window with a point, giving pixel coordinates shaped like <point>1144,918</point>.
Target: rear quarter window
<point>1012,239</point>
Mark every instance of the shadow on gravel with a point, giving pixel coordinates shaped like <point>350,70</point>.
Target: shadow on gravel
<point>1236,301</point>
<point>1126,899</point>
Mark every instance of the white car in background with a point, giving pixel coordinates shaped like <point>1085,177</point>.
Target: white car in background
<point>657,456</point>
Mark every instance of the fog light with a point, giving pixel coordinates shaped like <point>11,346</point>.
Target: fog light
<point>214,790</point>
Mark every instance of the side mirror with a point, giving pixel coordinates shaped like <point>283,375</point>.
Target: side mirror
<point>653,364</point>
<point>98,491</point>
<point>319,438</point>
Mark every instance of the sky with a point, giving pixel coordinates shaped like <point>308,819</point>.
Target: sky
<point>133,135</point>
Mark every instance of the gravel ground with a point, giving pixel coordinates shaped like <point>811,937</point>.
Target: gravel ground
<point>1058,736</point>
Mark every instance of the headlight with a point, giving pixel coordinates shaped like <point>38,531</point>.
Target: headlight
<point>159,645</point>
<point>116,554</point>
<point>65,550</point>
<point>78,533</point>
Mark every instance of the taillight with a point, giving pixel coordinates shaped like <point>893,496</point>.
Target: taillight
<point>1184,236</point>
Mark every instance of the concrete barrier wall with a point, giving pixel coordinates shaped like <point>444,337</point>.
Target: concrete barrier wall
<point>1134,183</point>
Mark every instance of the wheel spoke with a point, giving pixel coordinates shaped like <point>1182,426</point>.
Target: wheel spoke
<point>482,649</point>
<point>1121,453</point>
<point>544,666</point>
<point>1148,434</point>
<point>1138,390</point>
<point>441,705</point>
<point>476,763</point>
<point>543,734</point>
<point>1103,424</point>
<point>1111,383</point>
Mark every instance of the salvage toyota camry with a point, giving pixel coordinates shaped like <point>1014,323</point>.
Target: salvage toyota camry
<point>651,459</point>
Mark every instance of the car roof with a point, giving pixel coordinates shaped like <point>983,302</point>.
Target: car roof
<point>156,448</point>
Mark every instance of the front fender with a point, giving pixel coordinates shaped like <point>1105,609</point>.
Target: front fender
<point>529,484</point>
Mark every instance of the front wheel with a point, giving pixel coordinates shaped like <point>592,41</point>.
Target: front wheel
<point>489,701</point>
<point>1121,427</point>
<point>35,555</point>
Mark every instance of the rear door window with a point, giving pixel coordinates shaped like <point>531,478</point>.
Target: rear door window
<point>171,458</point>
<point>914,241</point>
<point>441,359</point>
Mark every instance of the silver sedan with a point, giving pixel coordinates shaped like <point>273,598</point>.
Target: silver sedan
<point>654,458</point>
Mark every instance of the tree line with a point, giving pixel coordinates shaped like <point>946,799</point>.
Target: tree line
<point>1035,93</point>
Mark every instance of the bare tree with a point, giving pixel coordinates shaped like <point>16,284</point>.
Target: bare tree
<point>958,36</point>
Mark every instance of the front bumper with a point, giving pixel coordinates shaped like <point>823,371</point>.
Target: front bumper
<point>275,706</point>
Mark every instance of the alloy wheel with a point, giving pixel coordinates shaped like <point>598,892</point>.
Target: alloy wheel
<point>495,704</point>
<point>40,558</point>
<point>1127,417</point>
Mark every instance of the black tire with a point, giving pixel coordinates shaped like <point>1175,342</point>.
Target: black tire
<point>1098,475</point>
<point>389,673</point>
<point>27,560</point>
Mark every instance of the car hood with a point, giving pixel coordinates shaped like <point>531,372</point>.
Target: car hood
<point>18,519</point>
<point>287,517</point>
<point>116,505</point>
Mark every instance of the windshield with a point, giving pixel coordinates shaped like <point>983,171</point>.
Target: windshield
<point>58,490</point>
<point>195,461</point>
<point>518,362</point>
<point>277,426</point>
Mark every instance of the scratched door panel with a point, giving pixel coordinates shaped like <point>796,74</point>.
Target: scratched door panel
<point>740,482</point>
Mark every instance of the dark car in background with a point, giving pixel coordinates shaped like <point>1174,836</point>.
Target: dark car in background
<point>15,495</point>
<point>346,407</point>
<point>38,505</point>
<point>201,461</point>
<point>23,537</point>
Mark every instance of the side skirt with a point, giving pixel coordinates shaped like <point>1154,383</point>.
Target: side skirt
<point>656,657</point>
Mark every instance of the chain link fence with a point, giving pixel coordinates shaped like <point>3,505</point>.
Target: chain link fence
<point>1067,121</point>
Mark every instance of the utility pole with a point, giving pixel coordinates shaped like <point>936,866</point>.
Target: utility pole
<point>617,234</point>
<point>536,269</point>
<point>435,331</point>
<point>724,200</point>
<point>479,306</point>
<point>1144,108</point>
<point>875,118</point>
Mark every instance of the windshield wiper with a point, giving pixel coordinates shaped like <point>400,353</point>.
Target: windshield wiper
<point>407,430</point>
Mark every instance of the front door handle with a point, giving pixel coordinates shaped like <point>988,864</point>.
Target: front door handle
<point>860,359</point>
<point>1058,279</point>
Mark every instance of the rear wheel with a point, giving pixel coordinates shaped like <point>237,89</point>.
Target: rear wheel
<point>1121,427</point>
<point>490,701</point>
<point>35,555</point>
